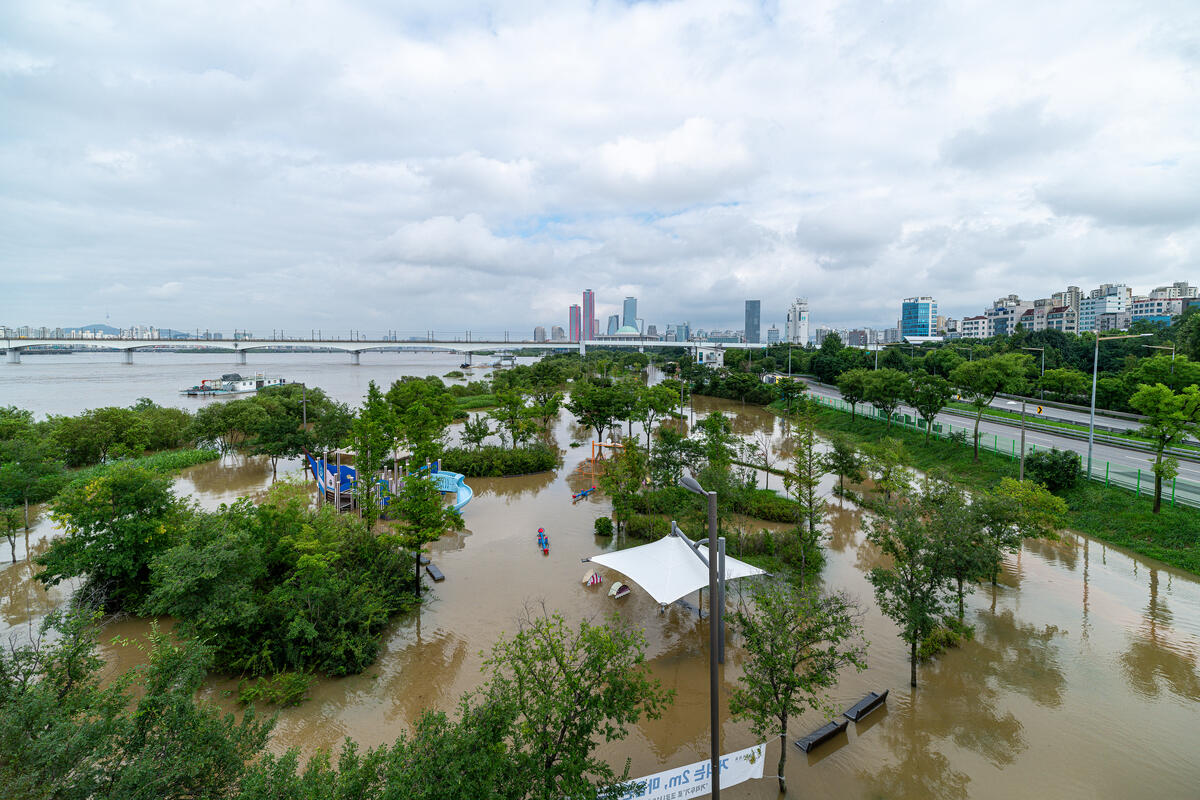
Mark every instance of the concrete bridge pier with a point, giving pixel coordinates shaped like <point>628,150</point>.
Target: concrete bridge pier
<point>129,356</point>
<point>470,357</point>
<point>241,354</point>
<point>582,349</point>
<point>14,356</point>
<point>354,355</point>
<point>641,348</point>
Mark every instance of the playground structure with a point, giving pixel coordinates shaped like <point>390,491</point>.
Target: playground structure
<point>588,466</point>
<point>339,480</point>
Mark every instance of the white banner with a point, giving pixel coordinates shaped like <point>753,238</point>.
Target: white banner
<point>696,779</point>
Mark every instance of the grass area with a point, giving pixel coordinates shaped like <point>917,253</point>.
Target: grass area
<point>164,461</point>
<point>473,402</point>
<point>1111,514</point>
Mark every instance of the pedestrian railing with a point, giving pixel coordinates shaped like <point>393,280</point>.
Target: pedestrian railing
<point>1137,480</point>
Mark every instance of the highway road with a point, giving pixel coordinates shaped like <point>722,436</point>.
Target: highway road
<point>1125,458</point>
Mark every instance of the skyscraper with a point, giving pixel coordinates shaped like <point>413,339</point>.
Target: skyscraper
<point>797,322</point>
<point>753,323</point>
<point>918,316</point>
<point>539,334</point>
<point>589,314</point>
<point>629,312</point>
<point>573,324</point>
<point>614,324</point>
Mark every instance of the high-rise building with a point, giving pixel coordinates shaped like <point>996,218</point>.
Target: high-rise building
<point>753,321</point>
<point>573,324</point>
<point>614,324</point>
<point>589,314</point>
<point>557,334</point>
<point>797,322</point>
<point>629,312</point>
<point>772,335</point>
<point>539,334</point>
<point>918,316</point>
<point>651,331</point>
<point>596,324</point>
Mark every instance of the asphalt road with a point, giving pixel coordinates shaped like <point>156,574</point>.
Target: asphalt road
<point>1125,458</point>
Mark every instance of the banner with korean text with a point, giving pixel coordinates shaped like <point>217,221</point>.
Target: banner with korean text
<point>695,780</point>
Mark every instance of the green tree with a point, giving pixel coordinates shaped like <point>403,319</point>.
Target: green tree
<point>829,361</point>
<point>475,431</point>
<point>1170,416</point>
<point>796,644</point>
<point>980,381</point>
<point>789,391</point>
<point>10,521</point>
<point>803,482</point>
<point>422,516</point>
<point>1013,511</point>
<point>373,436</point>
<point>423,410</point>
<point>674,453</point>
<point>844,460</point>
<point>143,736</point>
<point>853,386</point>
<point>623,480</point>
<point>228,425</point>
<point>594,406</point>
<point>885,460</point>
<point>572,689</point>
<point>1064,384</point>
<point>114,526</point>
<point>928,394</point>
<point>953,521</point>
<point>886,389</point>
<point>279,436</point>
<point>513,416</point>
<point>655,402</point>
<point>30,471</point>
<point>911,591</point>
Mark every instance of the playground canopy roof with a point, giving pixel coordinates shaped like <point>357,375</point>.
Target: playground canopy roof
<point>669,569</point>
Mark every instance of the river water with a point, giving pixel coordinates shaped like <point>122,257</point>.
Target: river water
<point>1082,680</point>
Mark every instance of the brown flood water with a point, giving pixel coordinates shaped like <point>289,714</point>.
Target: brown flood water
<point>1082,680</point>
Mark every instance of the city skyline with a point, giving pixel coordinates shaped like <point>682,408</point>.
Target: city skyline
<point>424,169</point>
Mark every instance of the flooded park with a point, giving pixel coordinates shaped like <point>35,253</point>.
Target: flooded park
<point>1082,679</point>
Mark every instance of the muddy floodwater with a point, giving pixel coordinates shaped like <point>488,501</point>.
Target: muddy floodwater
<point>1082,680</point>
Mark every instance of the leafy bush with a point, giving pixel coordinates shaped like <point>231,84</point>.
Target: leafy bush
<point>668,500</point>
<point>454,373</point>
<point>476,401</point>
<point>642,526</point>
<point>951,633</point>
<point>765,504</point>
<point>1057,469</point>
<point>603,526</point>
<point>498,462</point>
<point>284,689</point>
<point>283,587</point>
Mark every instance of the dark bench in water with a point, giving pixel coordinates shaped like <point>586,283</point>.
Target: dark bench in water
<point>821,735</point>
<point>435,573</point>
<point>872,701</point>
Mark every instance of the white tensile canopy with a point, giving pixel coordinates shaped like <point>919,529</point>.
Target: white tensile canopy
<point>669,569</point>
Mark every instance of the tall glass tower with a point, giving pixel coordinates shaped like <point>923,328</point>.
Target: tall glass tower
<point>589,315</point>
<point>918,316</point>
<point>629,312</point>
<point>753,321</point>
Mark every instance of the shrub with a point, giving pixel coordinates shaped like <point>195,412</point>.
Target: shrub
<point>951,633</point>
<point>603,526</point>
<point>668,500</point>
<point>1057,469</point>
<point>765,504</point>
<point>642,526</point>
<point>498,462</point>
<point>454,373</point>
<point>283,689</point>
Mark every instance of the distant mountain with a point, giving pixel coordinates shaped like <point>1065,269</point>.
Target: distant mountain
<point>107,330</point>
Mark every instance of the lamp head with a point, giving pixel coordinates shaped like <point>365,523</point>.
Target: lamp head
<point>691,484</point>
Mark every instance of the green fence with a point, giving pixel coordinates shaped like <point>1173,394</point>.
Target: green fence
<point>1139,481</point>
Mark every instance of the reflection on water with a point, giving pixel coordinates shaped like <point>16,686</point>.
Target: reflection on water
<point>1080,641</point>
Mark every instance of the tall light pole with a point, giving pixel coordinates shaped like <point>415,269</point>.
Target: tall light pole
<point>692,485</point>
<point>1095,372</point>
<point>1170,347</point>
<point>1042,374</point>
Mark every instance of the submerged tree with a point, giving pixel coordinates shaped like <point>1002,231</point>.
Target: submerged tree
<point>845,461</point>
<point>803,481</point>
<point>373,436</point>
<point>796,644</point>
<point>913,590</point>
<point>422,516</point>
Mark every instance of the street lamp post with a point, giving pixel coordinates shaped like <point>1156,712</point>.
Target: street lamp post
<point>692,485</point>
<point>1095,372</point>
<point>1170,347</point>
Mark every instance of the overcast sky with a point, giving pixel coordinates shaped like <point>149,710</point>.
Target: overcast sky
<point>453,165</point>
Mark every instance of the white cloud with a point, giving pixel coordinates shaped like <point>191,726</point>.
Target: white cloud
<point>448,161</point>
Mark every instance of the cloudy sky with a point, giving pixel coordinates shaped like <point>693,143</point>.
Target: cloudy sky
<point>445,164</point>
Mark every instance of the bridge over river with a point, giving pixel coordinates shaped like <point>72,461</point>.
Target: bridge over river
<point>703,351</point>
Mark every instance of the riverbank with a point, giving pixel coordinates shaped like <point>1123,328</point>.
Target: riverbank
<point>1108,513</point>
